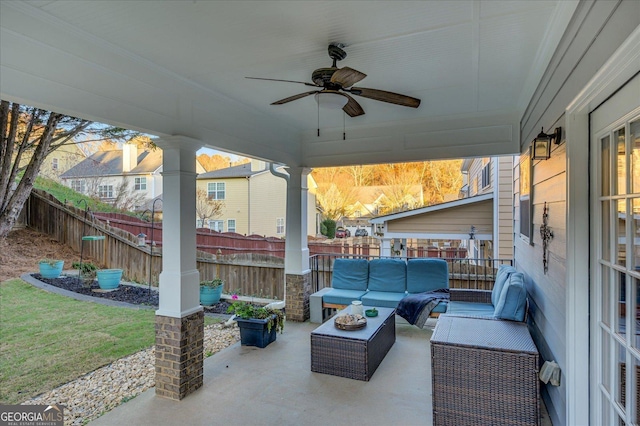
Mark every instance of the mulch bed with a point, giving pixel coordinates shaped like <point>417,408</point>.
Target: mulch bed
<point>124,293</point>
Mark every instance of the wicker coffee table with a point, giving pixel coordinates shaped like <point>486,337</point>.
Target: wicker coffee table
<point>484,372</point>
<point>353,354</point>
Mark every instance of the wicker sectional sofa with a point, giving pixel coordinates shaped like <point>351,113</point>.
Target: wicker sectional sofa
<point>507,300</point>
<point>378,282</point>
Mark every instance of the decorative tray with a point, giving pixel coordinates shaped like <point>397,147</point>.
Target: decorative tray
<point>350,322</point>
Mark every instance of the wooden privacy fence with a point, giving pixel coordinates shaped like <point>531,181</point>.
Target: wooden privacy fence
<point>246,274</point>
<point>225,243</point>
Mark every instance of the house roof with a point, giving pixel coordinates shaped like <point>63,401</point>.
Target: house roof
<point>240,171</point>
<point>109,163</point>
<point>433,208</point>
<point>371,194</point>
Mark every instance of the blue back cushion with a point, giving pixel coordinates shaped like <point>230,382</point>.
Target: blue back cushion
<point>387,275</point>
<point>513,300</point>
<point>350,274</point>
<point>501,278</point>
<point>427,275</point>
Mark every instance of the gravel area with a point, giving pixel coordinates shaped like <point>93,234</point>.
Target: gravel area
<point>90,396</point>
<point>95,393</point>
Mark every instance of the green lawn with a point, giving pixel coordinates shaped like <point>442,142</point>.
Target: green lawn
<point>47,340</point>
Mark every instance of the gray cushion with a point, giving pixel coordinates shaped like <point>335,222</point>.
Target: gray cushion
<point>388,275</point>
<point>427,275</point>
<point>350,274</point>
<point>470,309</point>
<point>501,277</point>
<point>513,299</point>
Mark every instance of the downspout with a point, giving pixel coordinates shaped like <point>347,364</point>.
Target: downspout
<point>286,178</point>
<point>248,206</point>
<point>277,173</point>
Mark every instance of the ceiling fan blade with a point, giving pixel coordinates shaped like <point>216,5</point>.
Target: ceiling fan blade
<point>352,108</point>
<point>347,77</point>
<point>384,96</point>
<point>284,81</point>
<point>295,97</point>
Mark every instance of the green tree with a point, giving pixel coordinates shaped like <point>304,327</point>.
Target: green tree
<point>28,135</point>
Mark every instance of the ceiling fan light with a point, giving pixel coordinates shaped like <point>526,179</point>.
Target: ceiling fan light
<point>331,100</point>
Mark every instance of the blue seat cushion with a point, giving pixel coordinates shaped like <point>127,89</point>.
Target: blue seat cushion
<point>427,275</point>
<point>388,275</point>
<point>440,308</point>
<point>504,271</point>
<point>342,297</point>
<point>383,299</point>
<point>470,309</point>
<point>350,274</point>
<point>513,299</point>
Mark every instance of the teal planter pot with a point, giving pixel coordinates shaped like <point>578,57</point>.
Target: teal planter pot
<point>47,270</point>
<point>210,295</point>
<point>109,279</point>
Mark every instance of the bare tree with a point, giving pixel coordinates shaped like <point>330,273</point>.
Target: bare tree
<point>32,133</point>
<point>207,208</point>
<point>125,198</point>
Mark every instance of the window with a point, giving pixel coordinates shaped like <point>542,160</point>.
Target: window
<point>140,184</point>
<point>199,223</point>
<point>54,164</point>
<point>525,191</point>
<point>280,226</point>
<point>216,225</point>
<point>216,190</point>
<point>78,185</point>
<point>105,191</point>
<point>231,225</point>
<point>486,175</point>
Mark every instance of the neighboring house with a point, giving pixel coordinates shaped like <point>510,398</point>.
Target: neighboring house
<point>372,201</point>
<point>480,222</point>
<point>492,175</point>
<point>255,200</point>
<point>129,177</point>
<point>61,160</point>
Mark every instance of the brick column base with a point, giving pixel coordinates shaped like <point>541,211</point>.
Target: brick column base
<point>179,355</point>
<point>298,290</point>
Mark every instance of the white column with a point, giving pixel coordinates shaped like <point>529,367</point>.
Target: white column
<point>179,279</point>
<point>296,258</point>
<point>385,247</point>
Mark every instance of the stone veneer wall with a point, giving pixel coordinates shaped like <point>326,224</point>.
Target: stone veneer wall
<point>298,290</point>
<point>179,355</point>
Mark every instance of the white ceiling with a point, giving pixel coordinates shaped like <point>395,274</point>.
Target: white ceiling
<point>178,68</point>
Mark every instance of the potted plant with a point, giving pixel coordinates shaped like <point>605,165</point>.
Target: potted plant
<point>86,272</point>
<point>258,324</point>
<point>50,268</point>
<point>109,279</point>
<point>210,291</point>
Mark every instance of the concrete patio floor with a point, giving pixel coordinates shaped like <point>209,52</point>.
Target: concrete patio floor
<point>275,386</point>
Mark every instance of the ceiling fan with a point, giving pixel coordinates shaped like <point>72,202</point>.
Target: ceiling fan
<point>340,81</point>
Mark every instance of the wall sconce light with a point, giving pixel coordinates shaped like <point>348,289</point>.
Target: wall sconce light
<point>472,234</point>
<point>542,143</point>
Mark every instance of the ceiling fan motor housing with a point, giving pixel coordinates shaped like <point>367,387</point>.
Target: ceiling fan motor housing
<point>322,77</point>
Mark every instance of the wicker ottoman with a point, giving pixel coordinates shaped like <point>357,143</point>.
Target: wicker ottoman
<point>484,372</point>
<point>353,354</point>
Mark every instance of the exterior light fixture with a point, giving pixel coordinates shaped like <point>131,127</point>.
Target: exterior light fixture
<point>472,233</point>
<point>141,240</point>
<point>542,143</point>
